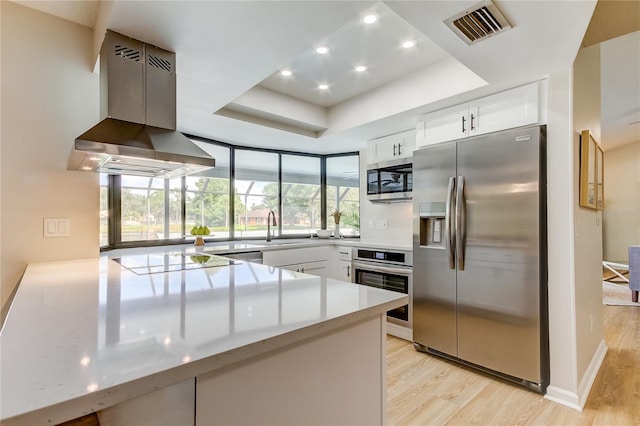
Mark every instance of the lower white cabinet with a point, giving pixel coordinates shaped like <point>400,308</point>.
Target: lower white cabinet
<point>340,263</point>
<point>310,260</point>
<point>173,405</point>
<point>313,268</point>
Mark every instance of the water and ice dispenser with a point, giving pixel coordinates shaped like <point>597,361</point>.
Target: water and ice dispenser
<point>432,224</point>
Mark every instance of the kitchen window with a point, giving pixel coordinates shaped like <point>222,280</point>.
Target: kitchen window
<point>207,197</point>
<point>150,208</point>
<point>300,194</point>
<point>256,192</point>
<point>302,190</point>
<point>343,193</point>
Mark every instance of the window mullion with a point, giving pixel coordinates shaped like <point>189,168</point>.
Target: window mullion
<point>323,192</point>
<point>115,210</point>
<point>183,207</point>
<point>280,201</point>
<point>167,209</point>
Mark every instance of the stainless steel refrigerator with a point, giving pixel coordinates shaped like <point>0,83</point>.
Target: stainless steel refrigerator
<point>479,253</point>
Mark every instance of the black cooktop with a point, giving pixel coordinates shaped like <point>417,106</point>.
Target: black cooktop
<point>144,264</point>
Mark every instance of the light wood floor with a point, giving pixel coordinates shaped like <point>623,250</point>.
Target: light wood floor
<point>425,390</point>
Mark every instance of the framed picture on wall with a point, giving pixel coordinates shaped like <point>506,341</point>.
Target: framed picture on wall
<point>599,178</point>
<point>591,172</point>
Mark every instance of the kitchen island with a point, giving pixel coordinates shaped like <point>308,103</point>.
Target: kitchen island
<point>196,344</point>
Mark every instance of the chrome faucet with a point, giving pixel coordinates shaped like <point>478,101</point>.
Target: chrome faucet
<point>269,223</point>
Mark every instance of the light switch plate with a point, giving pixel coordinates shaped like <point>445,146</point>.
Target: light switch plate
<point>56,227</point>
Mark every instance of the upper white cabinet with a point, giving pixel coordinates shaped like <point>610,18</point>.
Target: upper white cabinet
<point>504,110</point>
<point>392,147</point>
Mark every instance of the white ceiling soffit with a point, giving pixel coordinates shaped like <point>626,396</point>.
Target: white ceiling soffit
<point>377,46</point>
<point>545,37</point>
<point>620,90</point>
<point>396,81</point>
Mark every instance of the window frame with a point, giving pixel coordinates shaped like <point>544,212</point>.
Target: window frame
<point>115,199</point>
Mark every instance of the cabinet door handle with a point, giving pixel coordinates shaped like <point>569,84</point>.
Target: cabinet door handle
<point>472,127</point>
<point>398,148</point>
<point>348,271</point>
<point>463,120</point>
<point>394,149</point>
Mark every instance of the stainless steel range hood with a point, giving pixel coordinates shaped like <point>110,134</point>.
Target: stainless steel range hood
<point>138,103</point>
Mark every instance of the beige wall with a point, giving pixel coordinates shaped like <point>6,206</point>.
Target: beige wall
<point>576,344</point>
<point>49,96</point>
<point>588,223</point>
<point>622,201</point>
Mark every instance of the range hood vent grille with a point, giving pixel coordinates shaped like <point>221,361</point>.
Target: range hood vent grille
<point>159,63</point>
<point>481,22</point>
<point>127,52</point>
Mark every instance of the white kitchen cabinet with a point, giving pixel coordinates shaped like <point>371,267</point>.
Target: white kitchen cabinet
<point>340,263</point>
<point>313,268</point>
<point>392,147</point>
<point>310,260</point>
<point>504,110</point>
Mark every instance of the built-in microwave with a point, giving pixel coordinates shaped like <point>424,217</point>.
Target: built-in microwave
<point>390,181</point>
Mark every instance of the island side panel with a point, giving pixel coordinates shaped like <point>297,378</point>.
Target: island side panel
<point>173,405</point>
<point>336,379</point>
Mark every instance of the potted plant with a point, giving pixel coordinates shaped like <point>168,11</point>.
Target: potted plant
<point>199,231</point>
<point>336,220</point>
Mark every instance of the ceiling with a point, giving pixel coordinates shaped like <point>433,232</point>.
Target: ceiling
<point>229,54</point>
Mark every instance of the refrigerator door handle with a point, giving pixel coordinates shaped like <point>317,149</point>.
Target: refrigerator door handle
<point>461,223</point>
<point>449,230</point>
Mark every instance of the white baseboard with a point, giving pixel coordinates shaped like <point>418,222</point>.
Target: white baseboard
<point>563,396</point>
<point>592,371</point>
<point>578,400</point>
<point>400,331</point>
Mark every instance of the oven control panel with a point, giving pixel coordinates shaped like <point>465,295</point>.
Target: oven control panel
<point>399,258</point>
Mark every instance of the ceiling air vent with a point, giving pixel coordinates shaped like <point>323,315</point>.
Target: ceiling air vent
<point>478,23</point>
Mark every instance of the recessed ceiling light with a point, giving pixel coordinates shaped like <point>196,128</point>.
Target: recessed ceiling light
<point>370,18</point>
<point>408,44</point>
<point>86,168</point>
<point>361,68</point>
<point>286,73</point>
<point>323,86</point>
<point>322,50</point>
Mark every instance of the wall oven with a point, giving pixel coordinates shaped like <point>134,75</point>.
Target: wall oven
<point>389,270</point>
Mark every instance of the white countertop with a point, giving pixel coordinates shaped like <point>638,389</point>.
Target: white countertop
<point>87,334</point>
<point>221,247</point>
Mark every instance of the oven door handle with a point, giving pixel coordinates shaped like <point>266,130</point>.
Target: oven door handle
<point>383,269</point>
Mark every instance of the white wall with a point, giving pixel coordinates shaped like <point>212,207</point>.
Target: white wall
<point>560,187</point>
<point>399,216</point>
<point>49,96</point>
<point>621,201</point>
